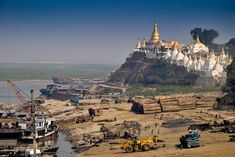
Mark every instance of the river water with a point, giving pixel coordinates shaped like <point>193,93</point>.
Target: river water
<point>65,147</point>
<point>8,96</point>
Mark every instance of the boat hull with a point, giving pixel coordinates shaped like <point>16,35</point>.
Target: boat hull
<point>48,134</point>
<point>10,134</point>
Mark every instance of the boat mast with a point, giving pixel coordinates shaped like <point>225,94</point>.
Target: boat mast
<point>34,127</point>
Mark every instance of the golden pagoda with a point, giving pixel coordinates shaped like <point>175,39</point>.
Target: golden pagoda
<point>138,45</point>
<point>197,40</point>
<point>155,35</point>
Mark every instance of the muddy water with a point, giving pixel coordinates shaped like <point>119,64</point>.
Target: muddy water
<point>59,140</point>
<point>8,96</point>
<point>65,146</point>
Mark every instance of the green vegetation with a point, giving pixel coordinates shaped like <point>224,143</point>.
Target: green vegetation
<point>230,84</point>
<point>230,45</point>
<point>164,73</point>
<point>206,35</point>
<point>164,90</point>
<point>33,71</point>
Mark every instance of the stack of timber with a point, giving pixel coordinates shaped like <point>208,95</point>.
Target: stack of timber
<point>145,106</point>
<point>137,107</point>
<point>169,104</point>
<point>173,103</point>
<point>205,101</point>
<point>187,103</point>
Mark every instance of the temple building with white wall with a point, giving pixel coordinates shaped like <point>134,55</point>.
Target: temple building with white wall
<point>195,57</point>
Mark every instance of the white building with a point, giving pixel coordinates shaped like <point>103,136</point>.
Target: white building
<point>195,57</point>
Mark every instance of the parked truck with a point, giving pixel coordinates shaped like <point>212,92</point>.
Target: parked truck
<point>190,140</point>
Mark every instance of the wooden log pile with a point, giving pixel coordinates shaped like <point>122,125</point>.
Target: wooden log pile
<point>172,103</point>
<point>205,101</point>
<point>137,107</point>
<point>146,106</point>
<point>151,108</point>
<point>187,103</point>
<point>169,104</point>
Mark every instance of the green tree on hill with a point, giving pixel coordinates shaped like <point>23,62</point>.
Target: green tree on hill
<point>230,45</point>
<point>231,77</point>
<point>206,35</point>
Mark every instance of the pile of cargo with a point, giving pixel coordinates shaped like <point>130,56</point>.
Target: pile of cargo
<point>187,103</point>
<point>145,106</point>
<point>205,101</point>
<point>172,103</point>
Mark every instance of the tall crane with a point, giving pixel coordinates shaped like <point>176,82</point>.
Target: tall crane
<point>26,105</point>
<point>17,91</point>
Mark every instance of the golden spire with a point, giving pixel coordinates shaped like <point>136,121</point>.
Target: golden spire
<point>144,45</point>
<point>174,47</point>
<point>197,40</point>
<point>155,35</point>
<point>222,51</point>
<point>138,45</point>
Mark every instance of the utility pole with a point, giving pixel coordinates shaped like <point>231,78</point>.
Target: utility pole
<point>34,127</point>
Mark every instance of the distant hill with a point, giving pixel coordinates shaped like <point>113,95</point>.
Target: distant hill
<point>140,70</point>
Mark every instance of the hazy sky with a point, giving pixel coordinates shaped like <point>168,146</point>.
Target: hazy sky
<point>102,31</point>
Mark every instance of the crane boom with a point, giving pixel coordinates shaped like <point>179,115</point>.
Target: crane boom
<point>24,103</point>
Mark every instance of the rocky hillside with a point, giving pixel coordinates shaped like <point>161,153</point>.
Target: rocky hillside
<point>140,70</point>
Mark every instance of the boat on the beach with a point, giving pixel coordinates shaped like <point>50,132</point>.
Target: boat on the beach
<point>61,80</point>
<point>12,128</point>
<point>62,92</point>
<point>44,128</point>
<point>19,126</point>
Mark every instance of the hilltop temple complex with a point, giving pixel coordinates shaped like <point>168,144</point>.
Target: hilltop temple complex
<point>195,57</point>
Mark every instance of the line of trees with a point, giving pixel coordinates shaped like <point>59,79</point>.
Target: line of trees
<point>207,37</point>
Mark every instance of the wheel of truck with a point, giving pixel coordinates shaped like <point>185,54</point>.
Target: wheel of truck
<point>146,147</point>
<point>129,149</point>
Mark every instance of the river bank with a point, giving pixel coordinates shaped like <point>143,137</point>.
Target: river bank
<point>116,114</point>
<point>87,139</point>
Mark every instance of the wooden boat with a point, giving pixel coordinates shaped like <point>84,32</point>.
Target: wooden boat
<point>41,133</point>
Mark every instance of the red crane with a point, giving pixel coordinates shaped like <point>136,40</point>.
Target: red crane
<point>17,91</point>
<point>26,105</point>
